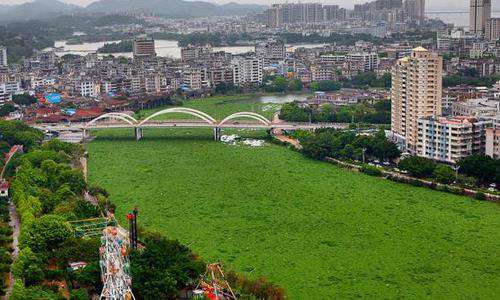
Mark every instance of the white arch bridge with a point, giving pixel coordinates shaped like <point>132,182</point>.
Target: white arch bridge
<point>240,120</point>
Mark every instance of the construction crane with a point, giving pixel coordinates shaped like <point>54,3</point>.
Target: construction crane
<point>115,265</point>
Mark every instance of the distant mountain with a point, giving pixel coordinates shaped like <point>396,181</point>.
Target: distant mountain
<point>38,9</point>
<point>172,8</point>
<point>45,9</point>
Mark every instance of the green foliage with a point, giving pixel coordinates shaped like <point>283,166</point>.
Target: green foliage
<point>79,294</point>
<point>73,150</point>
<point>28,266</point>
<point>469,76</point>
<point>6,109</point>
<point>254,288</point>
<point>347,145</point>
<point>302,223</point>
<point>120,47</point>
<point>18,133</point>
<point>295,85</point>
<point>162,268</point>
<point>48,233</point>
<point>36,157</point>
<point>371,170</point>
<point>484,168</point>
<point>294,113</point>
<point>326,86</point>
<point>32,293</point>
<point>369,79</point>
<point>379,113</point>
<point>444,174</point>
<point>418,166</point>
<point>24,99</point>
<point>280,84</point>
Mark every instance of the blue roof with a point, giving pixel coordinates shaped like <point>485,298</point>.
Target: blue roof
<point>53,98</point>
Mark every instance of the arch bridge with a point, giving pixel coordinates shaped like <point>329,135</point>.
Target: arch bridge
<point>197,119</point>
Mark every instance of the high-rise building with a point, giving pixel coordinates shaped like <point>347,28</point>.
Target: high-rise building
<point>3,56</point>
<point>415,9</point>
<point>492,30</point>
<point>480,12</point>
<point>416,93</point>
<point>144,48</point>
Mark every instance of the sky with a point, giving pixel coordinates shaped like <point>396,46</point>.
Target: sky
<point>431,4</point>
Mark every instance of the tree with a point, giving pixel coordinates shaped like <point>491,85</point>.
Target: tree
<point>418,166</point>
<point>47,233</point>
<point>28,266</point>
<point>162,268</point>
<point>6,109</point>
<point>295,85</point>
<point>280,84</point>
<point>294,113</point>
<point>73,178</point>
<point>24,99</point>
<point>484,168</point>
<point>444,174</point>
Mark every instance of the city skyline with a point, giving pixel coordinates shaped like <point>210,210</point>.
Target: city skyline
<point>431,5</point>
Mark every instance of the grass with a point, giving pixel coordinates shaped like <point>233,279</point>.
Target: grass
<point>220,107</point>
<point>319,231</point>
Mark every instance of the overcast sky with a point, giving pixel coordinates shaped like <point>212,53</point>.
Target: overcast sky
<point>431,4</point>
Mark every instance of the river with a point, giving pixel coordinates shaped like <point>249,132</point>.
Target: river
<point>164,48</point>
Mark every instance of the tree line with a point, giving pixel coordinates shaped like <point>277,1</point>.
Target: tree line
<point>377,113</point>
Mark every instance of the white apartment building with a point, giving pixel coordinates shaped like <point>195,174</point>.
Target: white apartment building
<point>195,78</point>
<point>416,93</point>
<point>10,88</point>
<point>247,70</point>
<point>365,61</point>
<point>476,108</point>
<point>271,51</point>
<point>88,88</point>
<point>451,139</point>
<point>321,73</point>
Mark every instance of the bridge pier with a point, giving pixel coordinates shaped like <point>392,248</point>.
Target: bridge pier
<point>217,133</point>
<point>84,135</point>
<point>138,133</point>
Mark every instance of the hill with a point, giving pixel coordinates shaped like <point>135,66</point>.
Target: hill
<point>38,9</point>
<point>172,8</point>
<point>47,9</point>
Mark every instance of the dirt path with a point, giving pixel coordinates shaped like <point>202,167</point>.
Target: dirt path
<point>16,226</point>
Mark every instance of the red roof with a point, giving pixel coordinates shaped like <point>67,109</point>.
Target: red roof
<point>88,113</point>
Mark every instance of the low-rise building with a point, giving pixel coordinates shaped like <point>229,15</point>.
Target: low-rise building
<point>450,139</point>
<point>476,107</point>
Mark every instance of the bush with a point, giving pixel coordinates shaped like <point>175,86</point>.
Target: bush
<point>418,166</point>
<point>444,174</point>
<point>79,294</point>
<point>371,170</point>
<point>480,196</point>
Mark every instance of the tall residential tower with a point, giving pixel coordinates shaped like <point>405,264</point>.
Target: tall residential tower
<point>480,12</point>
<point>416,93</point>
<point>3,56</point>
